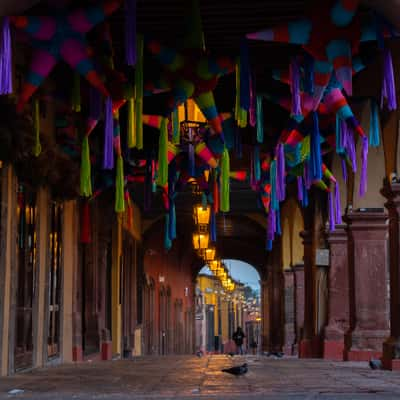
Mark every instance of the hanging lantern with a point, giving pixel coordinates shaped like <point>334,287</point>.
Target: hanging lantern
<point>214,265</point>
<point>200,241</point>
<point>201,214</point>
<point>208,254</point>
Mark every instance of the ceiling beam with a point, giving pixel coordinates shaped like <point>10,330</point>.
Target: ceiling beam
<point>13,7</point>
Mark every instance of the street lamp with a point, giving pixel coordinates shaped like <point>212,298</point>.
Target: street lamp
<point>201,214</point>
<point>208,254</point>
<point>214,265</point>
<point>200,241</point>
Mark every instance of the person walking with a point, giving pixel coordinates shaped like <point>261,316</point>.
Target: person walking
<point>238,337</point>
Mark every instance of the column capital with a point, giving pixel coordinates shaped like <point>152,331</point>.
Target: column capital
<point>339,235</point>
<point>367,221</point>
<point>392,193</point>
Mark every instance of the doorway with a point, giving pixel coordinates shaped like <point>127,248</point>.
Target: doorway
<point>26,278</point>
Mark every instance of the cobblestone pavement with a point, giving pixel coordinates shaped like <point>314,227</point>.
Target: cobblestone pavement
<point>188,377</point>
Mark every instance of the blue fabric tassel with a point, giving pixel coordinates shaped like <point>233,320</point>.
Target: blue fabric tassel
<point>315,156</point>
<point>167,239</point>
<point>257,164</point>
<point>213,227</point>
<point>260,120</point>
<point>374,138</point>
<point>274,198</point>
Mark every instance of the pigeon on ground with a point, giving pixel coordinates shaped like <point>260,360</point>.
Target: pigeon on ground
<point>238,370</point>
<point>231,354</point>
<point>199,353</point>
<point>375,364</point>
<point>278,354</point>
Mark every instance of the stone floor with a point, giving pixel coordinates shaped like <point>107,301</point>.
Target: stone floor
<point>189,377</point>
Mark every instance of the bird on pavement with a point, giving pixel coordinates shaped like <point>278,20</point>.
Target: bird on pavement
<point>375,364</point>
<point>238,370</point>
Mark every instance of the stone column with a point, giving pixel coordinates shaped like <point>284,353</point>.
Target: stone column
<point>306,343</point>
<point>299,304</point>
<point>391,347</point>
<point>276,316</point>
<point>264,315</point>
<point>338,292</point>
<point>368,233</point>
<point>289,296</point>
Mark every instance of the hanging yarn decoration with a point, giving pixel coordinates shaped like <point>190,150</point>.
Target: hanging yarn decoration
<point>108,158</point>
<point>37,148</point>
<point>331,212</point>
<point>300,188</point>
<point>374,137</point>
<point>119,186</point>
<point>274,195</point>
<point>225,184</point>
<point>138,94</point>
<point>338,208</point>
<point>295,87</point>
<point>131,134</point>
<point>253,101</point>
<point>213,226</point>
<point>351,149</point>
<point>364,167</point>
<point>280,172</point>
<point>341,126</point>
<point>257,164</point>
<point>389,85</point>
<point>260,120</point>
<point>344,169</point>
<point>240,113</point>
<point>167,239</point>
<point>130,32</point>
<point>315,147</point>
<point>76,93</point>
<point>162,178</point>
<point>85,224</point>
<point>216,196</point>
<point>5,58</point>
<point>278,222</point>
<point>176,129</point>
<point>85,179</point>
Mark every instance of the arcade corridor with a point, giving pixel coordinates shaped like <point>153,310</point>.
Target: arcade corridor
<point>144,143</point>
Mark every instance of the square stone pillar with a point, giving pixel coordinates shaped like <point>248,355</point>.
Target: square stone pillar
<point>299,304</point>
<point>391,347</point>
<point>265,315</point>
<point>338,292</point>
<point>368,234</point>
<point>289,327</point>
<point>307,343</point>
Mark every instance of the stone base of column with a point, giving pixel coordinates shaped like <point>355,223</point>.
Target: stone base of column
<point>366,345</point>
<point>391,355</point>
<point>310,348</point>
<point>77,354</point>
<point>106,350</point>
<point>333,350</point>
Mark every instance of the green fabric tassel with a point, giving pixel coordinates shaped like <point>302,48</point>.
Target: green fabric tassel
<point>176,129</point>
<point>119,186</point>
<point>86,179</point>
<point>225,184</point>
<point>131,124</point>
<point>240,113</point>
<point>162,178</point>
<point>37,148</point>
<point>76,93</point>
<point>139,93</point>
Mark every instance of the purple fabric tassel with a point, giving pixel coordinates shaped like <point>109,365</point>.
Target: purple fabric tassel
<point>108,160</point>
<point>338,207</point>
<point>331,212</point>
<point>271,225</point>
<point>130,32</point>
<point>252,111</point>
<point>5,59</point>
<point>344,169</point>
<point>389,85</point>
<point>364,166</point>
<point>295,87</point>
<point>280,172</point>
<point>351,149</point>
<point>300,188</point>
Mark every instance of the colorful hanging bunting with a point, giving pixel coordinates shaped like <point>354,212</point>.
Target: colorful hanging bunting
<point>108,157</point>
<point>374,129</point>
<point>162,179</point>
<point>86,180</point>
<point>389,84</point>
<point>119,186</point>
<point>260,120</point>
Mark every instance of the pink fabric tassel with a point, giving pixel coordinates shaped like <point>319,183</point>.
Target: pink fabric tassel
<point>364,166</point>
